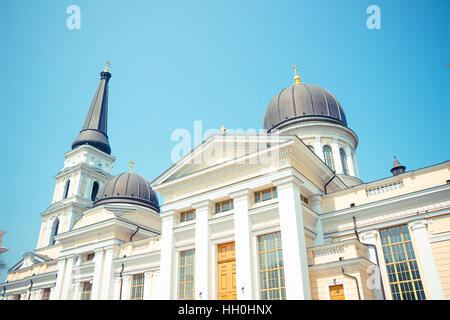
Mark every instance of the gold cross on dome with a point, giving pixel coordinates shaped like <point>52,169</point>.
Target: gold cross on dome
<point>223,129</point>
<point>297,77</point>
<point>107,66</point>
<point>131,165</point>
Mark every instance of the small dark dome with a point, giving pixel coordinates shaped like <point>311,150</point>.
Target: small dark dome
<point>303,102</point>
<point>128,188</point>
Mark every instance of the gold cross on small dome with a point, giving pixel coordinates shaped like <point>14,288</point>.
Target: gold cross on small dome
<point>297,77</point>
<point>107,66</point>
<point>131,165</point>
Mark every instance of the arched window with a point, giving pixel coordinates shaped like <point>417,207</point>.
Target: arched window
<point>343,161</point>
<point>311,148</point>
<point>328,156</point>
<point>95,188</point>
<point>54,231</point>
<point>66,189</point>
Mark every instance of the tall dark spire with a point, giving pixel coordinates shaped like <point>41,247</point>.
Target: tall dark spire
<point>397,167</point>
<point>94,132</point>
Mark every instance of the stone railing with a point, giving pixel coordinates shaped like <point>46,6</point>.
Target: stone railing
<point>342,250</point>
<point>140,247</point>
<point>386,187</point>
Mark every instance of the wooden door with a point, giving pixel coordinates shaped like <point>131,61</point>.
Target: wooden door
<point>226,271</point>
<point>337,292</point>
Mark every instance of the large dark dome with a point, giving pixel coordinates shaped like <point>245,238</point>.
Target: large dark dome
<point>302,102</point>
<point>128,188</point>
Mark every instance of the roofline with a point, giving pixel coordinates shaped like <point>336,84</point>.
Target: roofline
<point>402,175</point>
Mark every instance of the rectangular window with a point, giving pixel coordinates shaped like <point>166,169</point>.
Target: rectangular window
<point>401,264</point>
<point>89,257</point>
<point>266,194</point>
<point>271,267</point>
<point>224,206</point>
<point>137,287</point>
<point>187,215</point>
<point>46,294</point>
<point>304,199</point>
<point>186,272</point>
<point>86,289</point>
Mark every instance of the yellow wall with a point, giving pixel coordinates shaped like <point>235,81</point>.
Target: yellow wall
<point>319,282</point>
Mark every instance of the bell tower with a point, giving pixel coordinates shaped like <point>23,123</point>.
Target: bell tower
<point>86,168</point>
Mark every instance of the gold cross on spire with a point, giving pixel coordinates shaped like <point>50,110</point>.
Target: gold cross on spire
<point>107,66</point>
<point>223,129</point>
<point>131,165</point>
<point>296,78</point>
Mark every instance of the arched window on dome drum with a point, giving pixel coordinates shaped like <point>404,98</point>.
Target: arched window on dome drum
<point>328,157</point>
<point>343,161</point>
<point>66,189</point>
<point>95,188</point>
<point>54,232</point>
<point>311,148</point>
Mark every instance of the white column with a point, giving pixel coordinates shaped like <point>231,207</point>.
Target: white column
<point>167,255</point>
<point>53,293</point>
<point>67,281</point>
<point>202,244</point>
<point>318,148</point>
<point>337,157</point>
<point>108,274</point>
<point>117,288</point>
<point>351,167</point>
<point>76,291</point>
<point>425,252</point>
<point>147,285</point>
<point>126,287</point>
<point>293,239</point>
<point>97,280</point>
<point>370,237</point>
<point>316,204</point>
<point>355,164</point>
<point>243,252</point>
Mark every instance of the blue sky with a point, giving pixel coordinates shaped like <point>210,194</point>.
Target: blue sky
<point>221,62</point>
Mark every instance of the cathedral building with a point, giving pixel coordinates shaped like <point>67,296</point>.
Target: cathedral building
<point>282,215</point>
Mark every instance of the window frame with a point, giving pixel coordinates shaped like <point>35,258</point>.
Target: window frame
<point>258,196</point>
<point>344,162</point>
<point>182,267</point>
<point>137,285</point>
<point>405,270</point>
<point>219,206</point>
<point>278,270</point>
<point>86,293</point>
<point>328,157</point>
<point>187,215</point>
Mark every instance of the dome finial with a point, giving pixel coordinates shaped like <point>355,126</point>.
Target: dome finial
<point>107,66</point>
<point>131,166</point>
<point>296,78</point>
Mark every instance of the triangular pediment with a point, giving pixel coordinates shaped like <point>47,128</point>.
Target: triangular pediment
<point>217,150</point>
<point>29,259</point>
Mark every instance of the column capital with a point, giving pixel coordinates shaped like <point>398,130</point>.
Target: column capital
<point>167,214</point>
<point>243,193</point>
<point>202,204</point>
<point>418,224</point>
<point>370,234</point>
<point>148,274</point>
<point>287,181</point>
<point>316,198</point>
